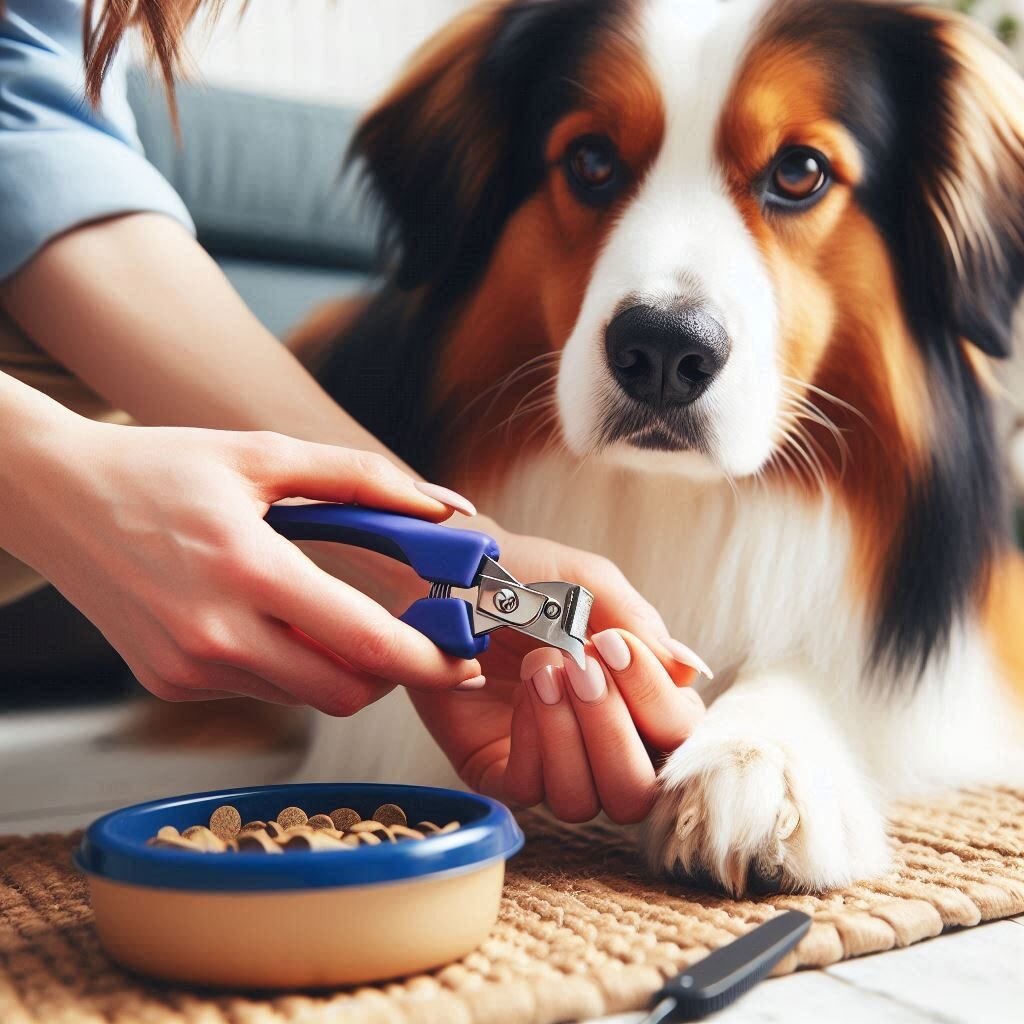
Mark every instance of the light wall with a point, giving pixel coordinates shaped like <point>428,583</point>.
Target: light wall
<point>338,51</point>
<point>348,51</point>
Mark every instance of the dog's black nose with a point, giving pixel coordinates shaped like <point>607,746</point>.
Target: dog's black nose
<point>665,356</point>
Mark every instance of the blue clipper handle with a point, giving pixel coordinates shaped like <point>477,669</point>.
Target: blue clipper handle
<point>438,554</point>
<point>448,622</point>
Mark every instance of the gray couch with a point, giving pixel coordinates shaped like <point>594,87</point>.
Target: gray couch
<point>263,181</point>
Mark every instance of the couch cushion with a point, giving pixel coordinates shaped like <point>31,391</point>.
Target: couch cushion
<point>261,176</point>
<point>283,294</point>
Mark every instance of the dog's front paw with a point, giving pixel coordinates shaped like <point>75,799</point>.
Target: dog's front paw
<point>753,817</point>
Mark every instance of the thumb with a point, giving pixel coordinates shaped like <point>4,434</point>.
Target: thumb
<point>284,467</point>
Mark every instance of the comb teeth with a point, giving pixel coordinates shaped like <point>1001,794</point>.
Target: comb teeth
<point>441,590</point>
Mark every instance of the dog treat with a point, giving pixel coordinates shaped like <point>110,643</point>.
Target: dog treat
<point>344,818</point>
<point>404,832</point>
<point>371,825</point>
<point>293,831</point>
<point>203,839</point>
<point>390,814</point>
<point>257,841</point>
<point>312,840</point>
<point>292,816</point>
<point>225,822</point>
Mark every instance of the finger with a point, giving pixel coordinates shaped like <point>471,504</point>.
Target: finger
<point>306,672</point>
<point>524,773</point>
<point>349,624</point>
<point>618,603</point>
<point>622,770</point>
<point>285,467</point>
<point>665,713</point>
<point>568,783</point>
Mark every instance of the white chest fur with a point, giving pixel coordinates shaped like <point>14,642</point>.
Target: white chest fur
<point>757,578</point>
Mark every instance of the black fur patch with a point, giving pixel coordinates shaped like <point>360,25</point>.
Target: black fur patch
<point>896,93</point>
<point>523,80</point>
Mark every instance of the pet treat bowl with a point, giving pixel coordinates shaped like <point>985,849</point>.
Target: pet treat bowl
<point>307,919</point>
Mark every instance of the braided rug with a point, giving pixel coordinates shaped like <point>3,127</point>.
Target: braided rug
<point>582,932</point>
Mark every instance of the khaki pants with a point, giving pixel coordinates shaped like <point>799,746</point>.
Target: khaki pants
<point>23,359</point>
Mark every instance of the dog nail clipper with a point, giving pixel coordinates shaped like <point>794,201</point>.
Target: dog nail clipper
<point>470,596</point>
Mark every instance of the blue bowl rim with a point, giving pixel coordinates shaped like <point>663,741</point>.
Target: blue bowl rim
<point>106,853</point>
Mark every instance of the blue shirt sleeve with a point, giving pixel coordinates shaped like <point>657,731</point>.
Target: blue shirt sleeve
<point>62,162</point>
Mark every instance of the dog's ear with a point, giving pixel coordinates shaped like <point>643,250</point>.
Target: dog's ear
<point>960,234</point>
<point>458,143</point>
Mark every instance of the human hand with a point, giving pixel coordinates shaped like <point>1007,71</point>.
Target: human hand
<point>539,739</point>
<point>157,535</point>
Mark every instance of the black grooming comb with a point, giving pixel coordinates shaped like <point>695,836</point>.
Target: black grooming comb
<point>722,977</point>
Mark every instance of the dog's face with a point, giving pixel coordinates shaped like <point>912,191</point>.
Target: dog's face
<point>714,211</point>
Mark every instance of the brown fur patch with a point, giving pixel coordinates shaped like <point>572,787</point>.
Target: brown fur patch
<point>1003,617</point>
<point>498,366</point>
<point>841,324</point>
<point>309,342</point>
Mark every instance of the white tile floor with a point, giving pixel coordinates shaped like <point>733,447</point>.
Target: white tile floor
<point>59,769</point>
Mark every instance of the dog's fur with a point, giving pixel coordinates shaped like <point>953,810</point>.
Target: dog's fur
<point>827,523</point>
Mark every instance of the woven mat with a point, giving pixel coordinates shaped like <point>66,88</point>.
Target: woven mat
<point>582,932</point>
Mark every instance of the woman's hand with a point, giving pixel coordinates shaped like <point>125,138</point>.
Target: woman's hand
<point>542,730</point>
<point>157,535</point>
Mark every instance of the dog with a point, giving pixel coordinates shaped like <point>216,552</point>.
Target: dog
<point>718,290</point>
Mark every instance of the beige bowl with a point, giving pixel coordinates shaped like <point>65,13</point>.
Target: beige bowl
<point>307,939</point>
<point>302,919</point>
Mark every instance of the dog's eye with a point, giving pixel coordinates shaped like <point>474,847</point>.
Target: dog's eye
<point>798,177</point>
<point>593,169</point>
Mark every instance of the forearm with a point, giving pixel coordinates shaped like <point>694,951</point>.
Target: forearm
<point>149,322</point>
<point>35,430</point>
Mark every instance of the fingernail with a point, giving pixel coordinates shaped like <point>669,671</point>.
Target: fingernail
<point>613,649</point>
<point>471,684</point>
<point>681,653</point>
<point>588,683</point>
<point>548,684</point>
<point>447,497</point>
<point>536,659</point>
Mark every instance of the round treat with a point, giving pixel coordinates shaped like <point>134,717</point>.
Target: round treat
<point>292,816</point>
<point>321,821</point>
<point>344,818</point>
<point>253,826</point>
<point>390,814</point>
<point>225,822</point>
